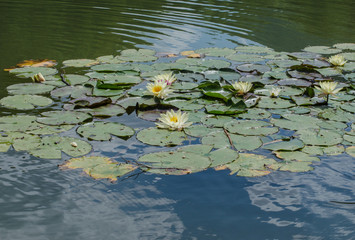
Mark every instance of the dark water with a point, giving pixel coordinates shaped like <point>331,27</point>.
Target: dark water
<point>39,201</point>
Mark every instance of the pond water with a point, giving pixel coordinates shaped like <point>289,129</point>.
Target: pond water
<point>39,201</point>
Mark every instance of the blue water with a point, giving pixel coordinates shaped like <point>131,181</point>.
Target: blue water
<point>40,201</point>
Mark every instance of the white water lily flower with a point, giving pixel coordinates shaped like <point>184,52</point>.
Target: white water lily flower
<point>242,87</point>
<point>337,60</point>
<point>173,120</point>
<point>328,88</point>
<point>167,78</point>
<point>274,92</point>
<point>38,78</point>
<point>159,89</point>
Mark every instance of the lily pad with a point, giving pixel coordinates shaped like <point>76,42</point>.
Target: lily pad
<point>322,50</point>
<point>215,52</point>
<point>80,63</point>
<point>245,58</point>
<point>161,137</point>
<point>25,102</point>
<point>296,167</point>
<point>222,156</point>
<point>320,137</point>
<point>52,146</point>
<point>255,114</point>
<point>199,130</point>
<point>27,72</point>
<point>140,55</point>
<point>29,88</point>
<point>175,162</point>
<point>351,151</point>
<point>296,156</point>
<point>250,127</point>
<point>250,165</point>
<point>266,102</point>
<point>63,117</point>
<point>18,123</point>
<point>102,131</point>
<point>292,145</point>
<point>345,46</point>
<point>99,167</point>
<point>74,79</point>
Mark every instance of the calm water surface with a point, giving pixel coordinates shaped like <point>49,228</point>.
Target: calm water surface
<point>38,201</point>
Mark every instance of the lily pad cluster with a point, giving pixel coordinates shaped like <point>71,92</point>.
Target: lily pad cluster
<point>281,122</point>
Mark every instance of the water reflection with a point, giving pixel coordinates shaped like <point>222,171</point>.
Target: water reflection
<point>313,194</point>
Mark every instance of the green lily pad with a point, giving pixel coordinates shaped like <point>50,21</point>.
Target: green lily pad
<point>284,63</point>
<point>109,110</point>
<point>329,72</point>
<point>254,49</point>
<point>225,110</point>
<point>220,140</point>
<point>255,114</point>
<point>292,145</point>
<point>161,137</point>
<point>320,137</point>
<point>196,148</point>
<point>184,86</point>
<point>186,105</point>
<point>199,130</point>
<point>350,151</point>
<point>99,167</point>
<point>215,52</point>
<point>80,63</point>
<point>71,91</point>
<point>266,102</point>
<point>175,162</point>
<point>296,167</point>
<point>337,115</point>
<point>215,121</point>
<point>222,156</point>
<point>47,130</point>
<point>140,55</point>
<point>250,165</point>
<point>253,67</point>
<point>25,102</point>
<point>52,146</point>
<point>322,50</point>
<point>102,131</point>
<point>18,123</point>
<point>27,72</point>
<point>108,59</point>
<point>296,156</point>
<point>74,79</point>
<point>345,46</point>
<point>4,147</point>
<point>250,127</point>
<point>349,56</point>
<point>29,88</point>
<point>245,58</point>
<point>63,117</point>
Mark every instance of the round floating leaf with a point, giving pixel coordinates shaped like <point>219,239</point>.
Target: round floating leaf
<point>215,121</point>
<point>292,145</point>
<point>250,127</point>
<point>254,49</point>
<point>329,72</point>
<point>293,125</point>
<point>320,137</point>
<point>109,110</point>
<point>184,86</point>
<point>111,171</point>
<point>198,149</point>
<point>216,139</point>
<point>351,151</point>
<point>296,167</point>
<point>161,137</point>
<point>297,156</point>
<point>18,123</point>
<point>175,162</point>
<point>27,72</point>
<point>74,79</point>
<point>220,140</point>
<point>23,141</point>
<point>313,150</point>
<point>63,117</point>
<point>250,165</point>
<point>72,91</point>
<point>322,50</point>
<point>266,102</point>
<point>186,105</point>
<point>140,55</point>
<point>284,63</point>
<point>333,150</point>
<point>222,156</point>
<point>253,67</point>
<point>294,82</point>
<point>102,131</point>
<point>245,58</point>
<point>29,88</point>
<point>46,130</point>
<point>349,107</point>
<point>99,167</point>
<point>255,113</point>
<point>349,138</point>
<point>349,56</point>
<point>215,52</point>
<point>4,147</point>
<point>90,102</point>
<point>25,102</point>
<point>345,46</point>
<point>199,130</point>
<point>80,63</point>
<point>337,115</point>
<point>52,146</point>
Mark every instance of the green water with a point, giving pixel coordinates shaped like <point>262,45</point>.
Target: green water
<point>38,201</point>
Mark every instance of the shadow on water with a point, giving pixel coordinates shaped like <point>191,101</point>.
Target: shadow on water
<point>39,201</point>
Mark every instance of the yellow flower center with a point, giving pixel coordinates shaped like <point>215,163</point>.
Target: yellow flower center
<point>174,119</point>
<point>157,89</point>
